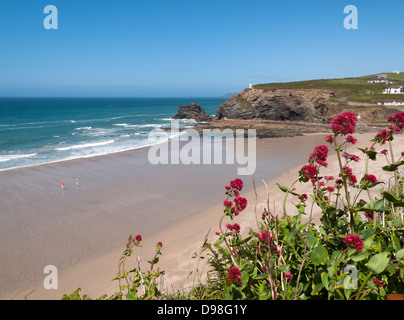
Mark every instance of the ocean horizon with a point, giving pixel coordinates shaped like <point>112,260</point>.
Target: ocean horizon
<point>36,131</point>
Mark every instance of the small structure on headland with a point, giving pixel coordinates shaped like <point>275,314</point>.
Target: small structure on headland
<point>397,103</point>
<point>397,89</point>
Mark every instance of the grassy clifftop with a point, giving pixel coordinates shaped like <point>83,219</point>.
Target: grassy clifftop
<point>349,89</point>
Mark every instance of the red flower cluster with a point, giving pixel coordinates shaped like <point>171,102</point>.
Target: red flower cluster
<point>319,155</point>
<point>398,122</point>
<point>237,184</point>
<point>303,197</point>
<point>396,126</point>
<point>354,241</point>
<point>370,179</point>
<point>308,172</point>
<point>241,203</point>
<point>351,139</point>
<point>350,178</point>
<point>382,136</point>
<point>266,237</point>
<point>234,275</point>
<point>137,239</point>
<point>378,282</point>
<point>344,124</point>
<point>369,215</point>
<point>350,157</point>
<point>235,227</point>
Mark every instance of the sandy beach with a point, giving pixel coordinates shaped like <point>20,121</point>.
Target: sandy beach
<point>82,230</point>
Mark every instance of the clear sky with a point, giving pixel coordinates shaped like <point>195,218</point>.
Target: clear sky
<point>176,48</point>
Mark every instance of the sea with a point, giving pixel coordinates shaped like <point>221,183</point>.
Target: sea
<point>36,131</point>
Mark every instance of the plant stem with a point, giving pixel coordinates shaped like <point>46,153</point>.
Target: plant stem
<point>363,284</point>
<point>395,172</point>
<point>351,222</point>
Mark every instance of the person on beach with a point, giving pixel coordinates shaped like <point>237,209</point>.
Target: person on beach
<point>63,185</point>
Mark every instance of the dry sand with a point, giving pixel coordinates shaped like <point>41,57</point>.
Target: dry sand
<point>83,231</point>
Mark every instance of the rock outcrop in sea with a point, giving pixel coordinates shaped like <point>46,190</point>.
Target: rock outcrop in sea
<point>192,111</point>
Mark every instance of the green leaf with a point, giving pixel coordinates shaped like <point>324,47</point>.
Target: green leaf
<point>261,276</point>
<point>360,256</point>
<point>324,280</point>
<point>378,263</point>
<point>396,242</point>
<point>400,254</point>
<point>285,189</point>
<point>132,296</point>
<point>393,166</point>
<point>368,233</point>
<point>283,268</point>
<point>371,153</point>
<point>319,255</point>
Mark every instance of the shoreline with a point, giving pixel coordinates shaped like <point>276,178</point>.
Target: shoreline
<point>94,269</point>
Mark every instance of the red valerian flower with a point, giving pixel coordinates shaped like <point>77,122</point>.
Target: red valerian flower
<point>308,172</point>
<point>344,124</point>
<point>329,178</point>
<point>230,226</point>
<point>351,139</point>
<point>370,178</point>
<point>237,184</point>
<point>398,122</point>
<point>241,203</point>
<point>384,151</point>
<point>287,275</point>
<point>303,197</point>
<point>138,238</point>
<point>382,136</point>
<point>354,241</point>
<point>160,244</point>
<point>330,189</point>
<point>378,282</point>
<point>234,275</point>
<point>228,203</point>
<point>369,215</point>
<point>329,138</point>
<point>319,155</point>
<point>263,236</point>
<point>350,157</point>
<point>347,171</point>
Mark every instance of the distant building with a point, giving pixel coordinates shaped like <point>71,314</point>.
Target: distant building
<point>380,81</point>
<point>382,75</point>
<point>250,86</point>
<point>397,103</point>
<point>394,90</point>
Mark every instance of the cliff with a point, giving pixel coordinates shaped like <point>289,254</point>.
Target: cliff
<point>314,105</point>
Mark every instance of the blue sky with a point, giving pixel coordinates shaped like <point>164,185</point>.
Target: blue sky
<point>190,47</point>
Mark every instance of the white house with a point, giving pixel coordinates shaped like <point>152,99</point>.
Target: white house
<point>250,86</point>
<point>394,90</point>
<point>380,81</point>
<point>394,103</point>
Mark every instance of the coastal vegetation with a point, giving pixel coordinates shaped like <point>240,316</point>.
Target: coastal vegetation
<point>356,89</point>
<point>355,252</point>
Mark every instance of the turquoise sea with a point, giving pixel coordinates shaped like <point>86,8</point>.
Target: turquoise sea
<point>36,131</point>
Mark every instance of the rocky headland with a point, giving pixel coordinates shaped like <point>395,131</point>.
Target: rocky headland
<point>283,112</point>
